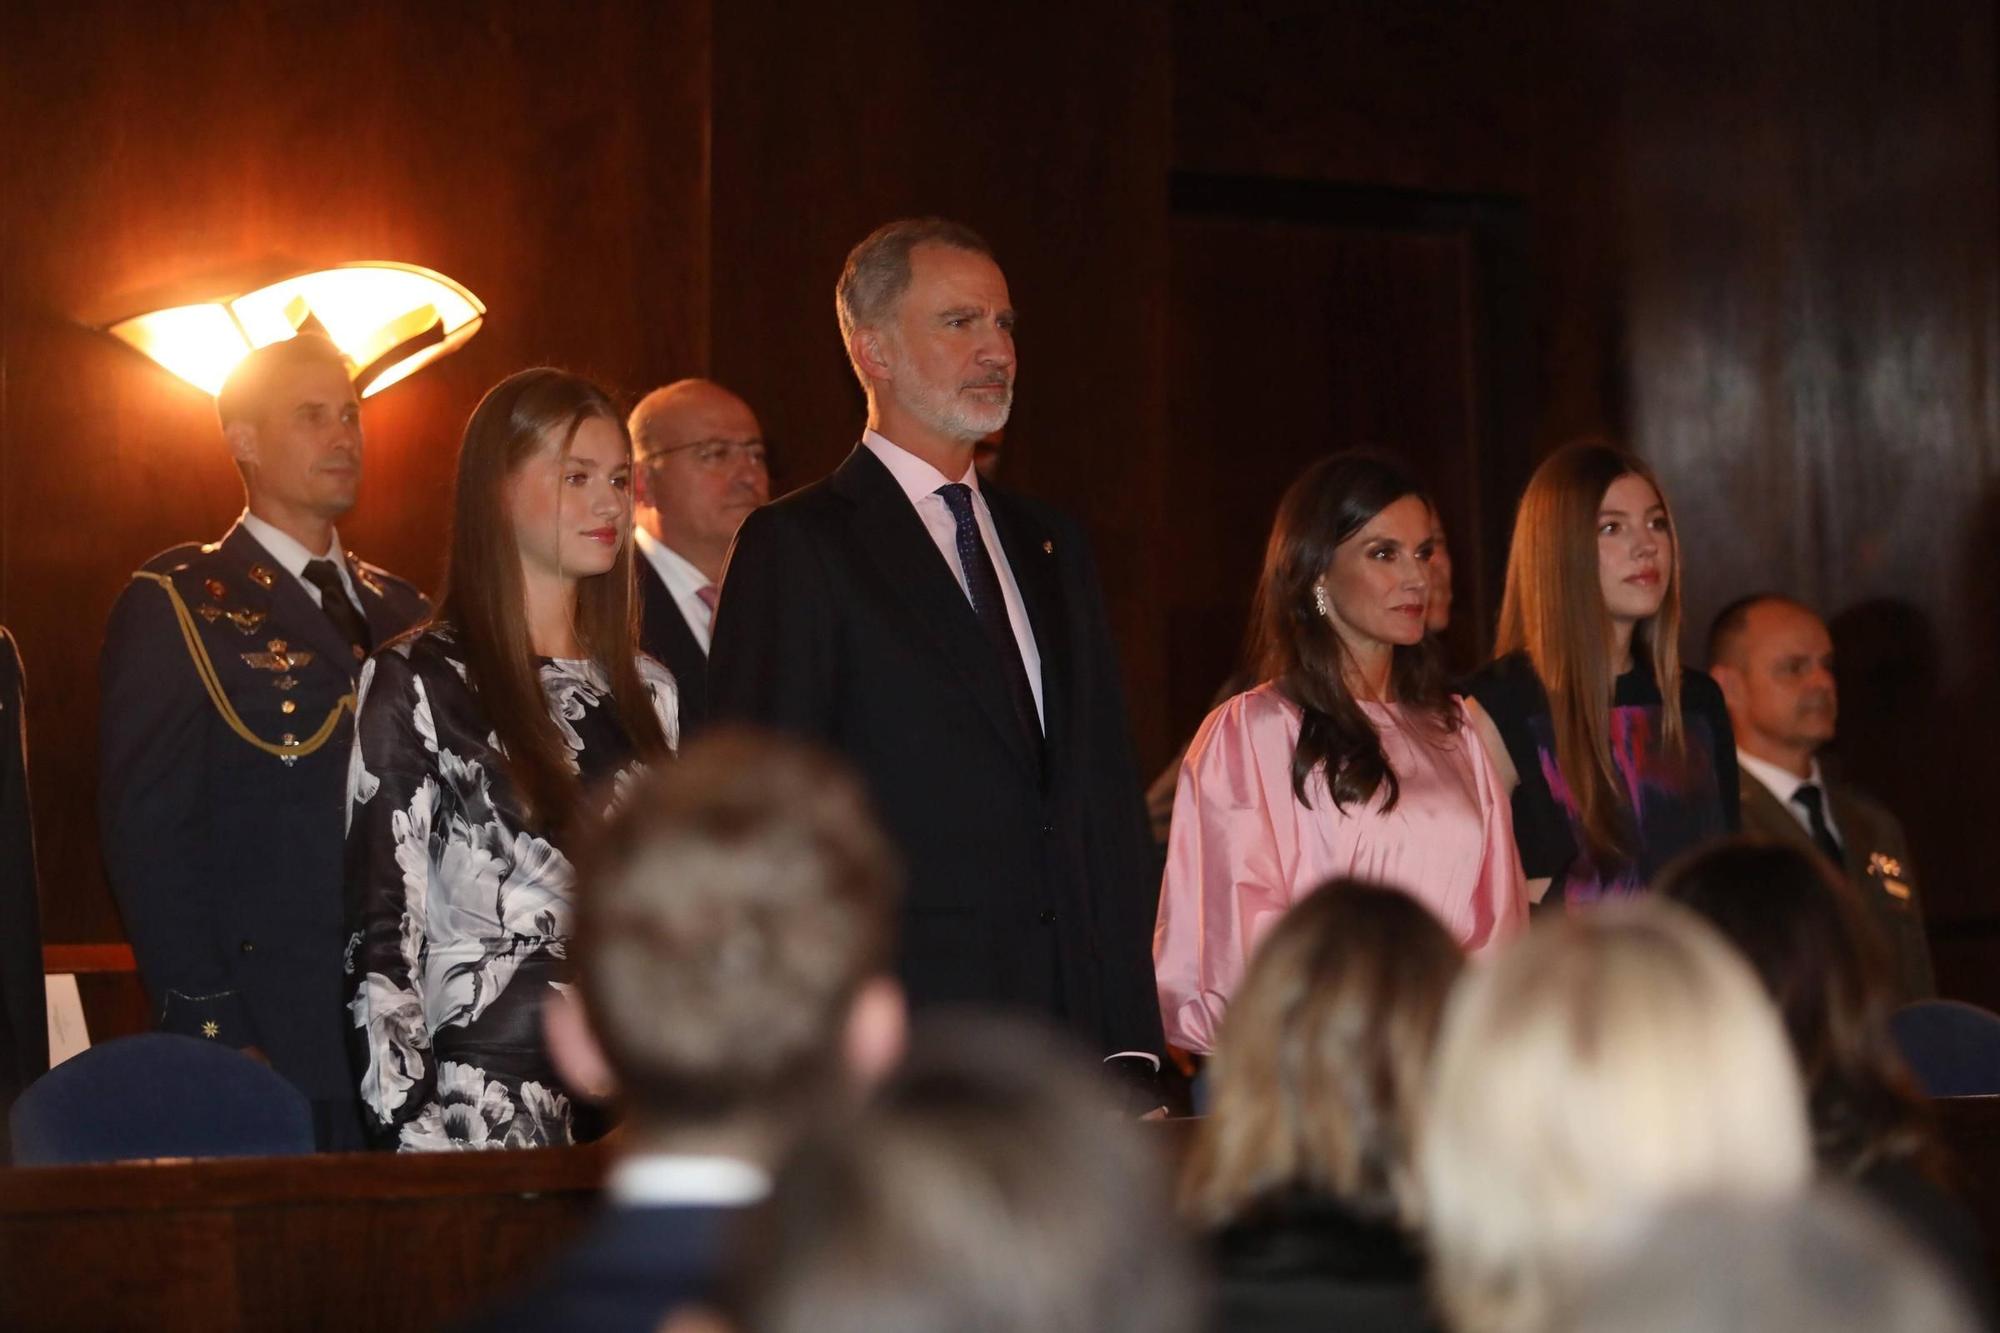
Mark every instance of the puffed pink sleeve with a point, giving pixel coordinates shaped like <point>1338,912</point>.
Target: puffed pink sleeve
<point>1231,854</point>
<point>1500,902</point>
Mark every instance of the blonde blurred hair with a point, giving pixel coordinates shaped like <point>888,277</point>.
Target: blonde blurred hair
<point>1323,1058</point>
<point>1610,1063</point>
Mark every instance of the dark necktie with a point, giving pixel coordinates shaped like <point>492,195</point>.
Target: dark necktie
<point>1813,802</point>
<point>982,581</point>
<point>333,600</point>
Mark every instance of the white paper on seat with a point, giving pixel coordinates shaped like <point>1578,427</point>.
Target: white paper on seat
<point>68,1033</point>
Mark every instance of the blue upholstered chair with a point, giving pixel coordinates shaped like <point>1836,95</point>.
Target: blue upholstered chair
<point>158,1095</point>
<point>1953,1048</point>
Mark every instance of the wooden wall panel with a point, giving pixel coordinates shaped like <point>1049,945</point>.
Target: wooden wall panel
<point>552,159</point>
<point>1759,239</point>
<point>1455,97</point>
<point>1762,243</point>
<point>1291,340</point>
<point>1043,126</point>
<point>1814,294</point>
<point>1812,289</point>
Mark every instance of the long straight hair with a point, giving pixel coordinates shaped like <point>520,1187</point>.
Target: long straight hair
<point>485,600</point>
<point>1292,644</point>
<point>1553,611</point>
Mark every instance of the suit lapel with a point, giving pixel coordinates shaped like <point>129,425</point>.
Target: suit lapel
<point>887,527</point>
<point>660,612</point>
<point>293,614</point>
<point>383,622</point>
<point>1855,833</point>
<point>1763,813</point>
<point>1031,555</point>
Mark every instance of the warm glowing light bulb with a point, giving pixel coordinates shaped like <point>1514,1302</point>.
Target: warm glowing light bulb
<point>389,319</point>
<point>199,343</point>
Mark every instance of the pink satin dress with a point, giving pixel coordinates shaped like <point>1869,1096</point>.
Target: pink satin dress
<point>1242,849</point>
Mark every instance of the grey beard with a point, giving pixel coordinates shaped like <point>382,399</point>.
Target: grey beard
<point>953,416</point>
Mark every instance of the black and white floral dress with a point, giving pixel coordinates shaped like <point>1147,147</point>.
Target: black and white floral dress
<point>461,909</point>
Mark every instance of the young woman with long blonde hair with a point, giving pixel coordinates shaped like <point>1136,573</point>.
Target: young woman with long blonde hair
<point>479,739</point>
<point>1617,758</point>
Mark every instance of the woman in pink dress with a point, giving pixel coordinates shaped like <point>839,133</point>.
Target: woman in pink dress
<point>1351,759</point>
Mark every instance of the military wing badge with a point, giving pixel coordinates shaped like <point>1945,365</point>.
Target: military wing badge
<point>279,657</point>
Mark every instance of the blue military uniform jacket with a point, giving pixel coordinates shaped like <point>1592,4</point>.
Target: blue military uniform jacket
<point>226,723</point>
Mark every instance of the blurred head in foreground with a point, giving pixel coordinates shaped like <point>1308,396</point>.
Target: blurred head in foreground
<point>1823,964</point>
<point>1819,1263</point>
<point>992,1186</point>
<point>1610,1063</point>
<point>1320,1068</point>
<point>733,945</point>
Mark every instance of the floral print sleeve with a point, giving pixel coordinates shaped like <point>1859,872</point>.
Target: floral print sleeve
<point>461,908</point>
<point>392,798</point>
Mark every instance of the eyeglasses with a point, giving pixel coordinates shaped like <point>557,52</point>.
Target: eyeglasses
<point>719,455</point>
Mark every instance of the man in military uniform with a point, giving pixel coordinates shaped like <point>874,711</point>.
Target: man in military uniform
<point>228,690</point>
<point>1773,659</point>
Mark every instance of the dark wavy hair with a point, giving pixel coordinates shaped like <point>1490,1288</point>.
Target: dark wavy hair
<point>1292,644</point>
<point>1826,966</point>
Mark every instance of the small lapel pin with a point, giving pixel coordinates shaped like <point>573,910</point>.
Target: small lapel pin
<point>1048,548</point>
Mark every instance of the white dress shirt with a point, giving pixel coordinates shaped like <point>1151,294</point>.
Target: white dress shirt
<point>920,481</point>
<point>683,580</point>
<point>290,553</point>
<point>686,1180</point>
<point>1782,784</point>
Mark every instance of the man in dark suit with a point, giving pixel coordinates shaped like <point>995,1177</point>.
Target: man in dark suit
<point>702,467</point>
<point>1773,659</point>
<point>732,943</point>
<point>228,691</point>
<point>950,639</point>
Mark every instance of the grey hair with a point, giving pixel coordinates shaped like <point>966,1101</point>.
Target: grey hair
<point>877,271</point>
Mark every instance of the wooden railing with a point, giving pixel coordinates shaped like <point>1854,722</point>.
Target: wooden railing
<point>384,1242</point>
<point>371,1241</point>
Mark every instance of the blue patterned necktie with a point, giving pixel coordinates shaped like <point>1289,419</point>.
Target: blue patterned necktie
<point>989,605</point>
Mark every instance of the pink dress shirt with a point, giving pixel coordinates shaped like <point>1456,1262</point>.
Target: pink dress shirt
<point>1242,849</point>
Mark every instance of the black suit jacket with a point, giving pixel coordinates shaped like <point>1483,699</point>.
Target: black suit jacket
<point>24,1022</point>
<point>225,857</point>
<point>1876,860</point>
<point>1030,874</point>
<point>630,1268</point>
<point>664,634</point>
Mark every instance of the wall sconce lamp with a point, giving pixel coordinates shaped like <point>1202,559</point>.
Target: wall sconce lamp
<point>390,320</point>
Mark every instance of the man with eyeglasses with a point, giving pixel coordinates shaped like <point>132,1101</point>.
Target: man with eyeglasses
<point>702,467</point>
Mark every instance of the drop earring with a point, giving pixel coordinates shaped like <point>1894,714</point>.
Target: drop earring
<point>1319,600</point>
